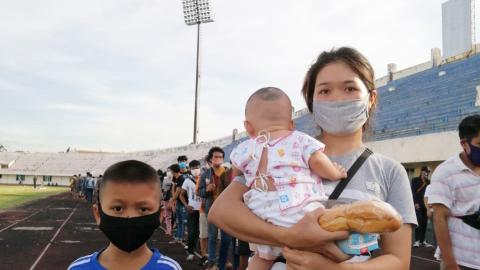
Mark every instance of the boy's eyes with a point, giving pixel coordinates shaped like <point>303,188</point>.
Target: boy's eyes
<point>117,208</point>
<point>120,209</point>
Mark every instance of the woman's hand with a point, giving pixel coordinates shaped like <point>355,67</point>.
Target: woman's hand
<point>308,235</point>
<point>306,260</point>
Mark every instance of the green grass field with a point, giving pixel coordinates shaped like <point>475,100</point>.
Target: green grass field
<point>13,195</point>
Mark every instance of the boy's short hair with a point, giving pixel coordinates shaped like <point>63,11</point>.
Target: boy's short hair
<point>194,163</point>
<point>174,168</point>
<point>129,171</point>
<point>469,127</point>
<point>215,149</point>
<point>182,158</point>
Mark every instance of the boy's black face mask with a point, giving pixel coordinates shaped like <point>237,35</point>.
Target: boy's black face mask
<point>128,234</point>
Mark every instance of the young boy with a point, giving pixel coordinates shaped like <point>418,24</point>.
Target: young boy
<point>127,213</point>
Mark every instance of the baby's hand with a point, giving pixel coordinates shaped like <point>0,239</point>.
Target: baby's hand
<point>341,171</point>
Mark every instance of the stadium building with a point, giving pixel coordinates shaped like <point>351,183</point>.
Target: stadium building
<point>419,109</point>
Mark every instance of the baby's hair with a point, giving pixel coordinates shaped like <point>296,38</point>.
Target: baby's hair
<point>129,171</point>
<point>267,94</point>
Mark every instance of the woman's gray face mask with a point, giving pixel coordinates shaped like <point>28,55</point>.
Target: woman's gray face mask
<point>341,117</point>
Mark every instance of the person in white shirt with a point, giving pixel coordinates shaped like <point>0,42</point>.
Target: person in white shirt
<point>189,198</point>
<point>454,195</point>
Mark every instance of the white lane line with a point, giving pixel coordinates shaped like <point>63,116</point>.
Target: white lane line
<point>18,221</point>
<point>51,240</point>
<point>425,259</point>
<point>32,229</point>
<point>70,241</point>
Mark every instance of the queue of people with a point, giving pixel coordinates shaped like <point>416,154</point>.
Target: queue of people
<point>85,187</point>
<point>189,190</point>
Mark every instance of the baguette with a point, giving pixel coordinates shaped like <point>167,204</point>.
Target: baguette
<point>362,217</point>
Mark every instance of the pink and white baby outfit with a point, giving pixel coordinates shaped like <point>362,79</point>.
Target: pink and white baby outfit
<point>298,190</point>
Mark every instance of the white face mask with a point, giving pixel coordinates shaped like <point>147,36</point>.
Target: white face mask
<point>341,117</point>
<point>169,175</point>
<point>196,172</point>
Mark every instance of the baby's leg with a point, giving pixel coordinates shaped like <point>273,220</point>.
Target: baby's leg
<point>258,263</point>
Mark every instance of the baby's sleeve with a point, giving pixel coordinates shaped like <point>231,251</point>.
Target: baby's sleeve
<point>310,146</point>
<point>238,156</point>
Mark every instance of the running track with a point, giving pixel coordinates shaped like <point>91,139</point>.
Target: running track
<point>50,233</point>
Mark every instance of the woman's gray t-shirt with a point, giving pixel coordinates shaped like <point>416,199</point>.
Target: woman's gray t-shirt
<point>379,178</point>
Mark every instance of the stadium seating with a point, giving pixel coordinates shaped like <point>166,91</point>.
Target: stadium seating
<point>431,101</point>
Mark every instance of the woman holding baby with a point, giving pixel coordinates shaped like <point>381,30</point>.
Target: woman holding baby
<point>339,91</point>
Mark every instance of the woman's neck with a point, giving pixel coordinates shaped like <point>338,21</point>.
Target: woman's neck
<point>336,145</point>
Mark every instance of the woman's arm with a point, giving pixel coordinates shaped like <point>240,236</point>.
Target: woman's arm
<point>395,255</point>
<point>396,251</point>
<point>231,215</point>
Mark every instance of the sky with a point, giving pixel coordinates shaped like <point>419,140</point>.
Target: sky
<point>119,75</point>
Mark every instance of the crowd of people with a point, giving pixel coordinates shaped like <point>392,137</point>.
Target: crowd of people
<point>85,186</point>
<point>189,190</point>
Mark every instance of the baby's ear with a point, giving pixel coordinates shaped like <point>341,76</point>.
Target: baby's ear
<point>291,125</point>
<point>249,128</point>
<point>96,213</point>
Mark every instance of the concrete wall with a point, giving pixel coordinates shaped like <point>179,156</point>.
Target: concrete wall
<point>419,149</point>
<point>12,179</point>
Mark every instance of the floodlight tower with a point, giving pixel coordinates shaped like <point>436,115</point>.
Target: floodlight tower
<point>196,12</point>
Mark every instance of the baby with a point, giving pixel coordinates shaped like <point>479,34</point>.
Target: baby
<point>282,167</point>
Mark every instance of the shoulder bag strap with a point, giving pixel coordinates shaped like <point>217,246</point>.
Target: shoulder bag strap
<point>350,173</point>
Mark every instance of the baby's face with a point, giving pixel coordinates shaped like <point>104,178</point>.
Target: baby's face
<point>265,115</point>
<point>129,199</point>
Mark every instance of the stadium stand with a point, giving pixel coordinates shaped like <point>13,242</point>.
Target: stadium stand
<point>430,101</point>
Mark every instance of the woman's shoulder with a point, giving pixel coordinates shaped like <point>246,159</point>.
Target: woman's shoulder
<point>389,168</point>
<point>387,163</point>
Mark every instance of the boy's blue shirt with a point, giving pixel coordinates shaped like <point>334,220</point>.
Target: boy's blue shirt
<point>157,262</point>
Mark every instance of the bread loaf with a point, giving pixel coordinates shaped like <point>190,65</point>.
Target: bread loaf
<point>361,217</point>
